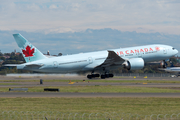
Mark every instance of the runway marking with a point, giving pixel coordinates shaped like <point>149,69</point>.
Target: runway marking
<point>71,83</point>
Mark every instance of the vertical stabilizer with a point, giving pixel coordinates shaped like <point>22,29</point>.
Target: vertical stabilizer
<point>30,53</point>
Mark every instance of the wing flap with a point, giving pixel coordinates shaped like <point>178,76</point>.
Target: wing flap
<point>112,59</point>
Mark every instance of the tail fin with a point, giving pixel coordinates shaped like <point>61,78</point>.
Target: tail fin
<point>30,53</point>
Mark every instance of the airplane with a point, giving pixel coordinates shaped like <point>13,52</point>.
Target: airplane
<point>98,63</point>
<point>172,68</point>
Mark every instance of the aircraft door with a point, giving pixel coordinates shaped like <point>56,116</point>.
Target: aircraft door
<point>164,51</point>
<point>90,60</point>
<point>55,64</point>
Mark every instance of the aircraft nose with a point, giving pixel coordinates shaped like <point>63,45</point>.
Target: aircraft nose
<point>176,51</point>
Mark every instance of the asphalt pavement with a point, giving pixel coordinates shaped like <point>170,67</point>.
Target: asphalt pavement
<point>56,84</point>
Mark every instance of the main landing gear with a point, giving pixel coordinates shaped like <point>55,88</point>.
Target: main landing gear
<point>103,76</point>
<point>92,76</point>
<point>106,76</point>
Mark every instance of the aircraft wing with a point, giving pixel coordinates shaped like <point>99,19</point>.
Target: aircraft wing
<point>112,59</point>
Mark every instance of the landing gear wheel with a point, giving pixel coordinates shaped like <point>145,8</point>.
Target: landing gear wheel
<point>95,75</point>
<point>106,76</point>
<point>89,76</point>
<point>92,76</point>
<point>103,76</point>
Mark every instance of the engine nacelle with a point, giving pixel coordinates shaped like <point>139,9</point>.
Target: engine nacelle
<point>134,64</point>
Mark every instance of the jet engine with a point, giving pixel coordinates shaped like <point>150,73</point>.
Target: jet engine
<point>134,64</point>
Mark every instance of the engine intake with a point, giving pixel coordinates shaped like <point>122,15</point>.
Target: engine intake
<point>134,64</point>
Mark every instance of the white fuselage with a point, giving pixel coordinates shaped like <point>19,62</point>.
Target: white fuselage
<point>88,61</point>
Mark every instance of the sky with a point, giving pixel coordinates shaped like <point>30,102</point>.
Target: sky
<point>75,18</point>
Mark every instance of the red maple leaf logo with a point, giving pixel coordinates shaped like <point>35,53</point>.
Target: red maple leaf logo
<point>157,48</point>
<point>28,52</point>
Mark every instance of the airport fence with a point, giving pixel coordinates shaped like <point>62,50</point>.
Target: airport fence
<point>50,115</point>
<point>146,74</point>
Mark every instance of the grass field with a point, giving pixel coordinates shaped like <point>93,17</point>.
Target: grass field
<point>141,106</point>
<point>9,84</point>
<point>103,89</point>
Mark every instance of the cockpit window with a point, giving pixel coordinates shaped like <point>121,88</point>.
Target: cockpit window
<point>173,48</point>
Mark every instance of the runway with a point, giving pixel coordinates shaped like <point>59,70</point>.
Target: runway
<point>56,84</point>
<point>81,78</point>
<point>12,81</point>
<point>86,95</point>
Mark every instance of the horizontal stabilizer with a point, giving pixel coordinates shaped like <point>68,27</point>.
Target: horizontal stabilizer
<point>35,65</point>
<point>11,65</point>
<point>25,65</point>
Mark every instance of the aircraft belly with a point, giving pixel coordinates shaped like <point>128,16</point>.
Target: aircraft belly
<point>71,67</point>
